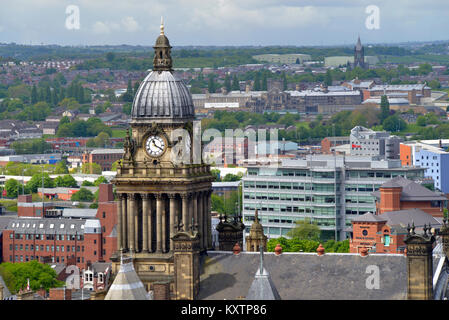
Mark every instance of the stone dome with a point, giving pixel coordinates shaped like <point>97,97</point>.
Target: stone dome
<point>162,41</point>
<point>162,95</point>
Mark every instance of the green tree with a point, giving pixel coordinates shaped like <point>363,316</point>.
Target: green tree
<point>87,183</point>
<point>305,230</point>
<point>128,95</point>
<point>83,195</point>
<point>91,168</point>
<point>67,181</point>
<point>64,120</point>
<point>34,95</point>
<point>421,121</point>
<point>394,124</point>
<point>110,56</point>
<point>127,107</point>
<point>227,83</point>
<point>12,188</point>
<point>40,275</point>
<point>212,85</point>
<point>384,108</point>
<point>36,182</point>
<point>216,174</point>
<point>235,83</point>
<point>284,81</point>
<point>61,167</point>
<point>100,180</point>
<point>264,82</point>
<point>328,78</point>
<point>231,177</point>
<point>257,84</point>
<point>217,203</point>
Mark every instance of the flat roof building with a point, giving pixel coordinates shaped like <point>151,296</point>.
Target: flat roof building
<point>330,190</point>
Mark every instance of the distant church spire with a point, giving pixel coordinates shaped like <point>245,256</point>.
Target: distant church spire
<point>359,54</point>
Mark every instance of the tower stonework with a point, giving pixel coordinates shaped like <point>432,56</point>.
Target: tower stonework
<point>359,55</point>
<point>256,238</point>
<point>187,265</point>
<point>419,264</point>
<point>162,184</point>
<point>230,233</point>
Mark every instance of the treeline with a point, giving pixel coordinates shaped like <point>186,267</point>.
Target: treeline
<point>80,128</point>
<point>32,146</point>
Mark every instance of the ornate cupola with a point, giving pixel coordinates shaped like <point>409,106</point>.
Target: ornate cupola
<point>162,96</point>
<point>162,59</point>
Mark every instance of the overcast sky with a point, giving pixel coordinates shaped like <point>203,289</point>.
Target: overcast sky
<point>222,22</point>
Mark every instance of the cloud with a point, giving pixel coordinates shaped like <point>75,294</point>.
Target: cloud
<point>104,27</point>
<point>130,24</point>
<point>224,22</point>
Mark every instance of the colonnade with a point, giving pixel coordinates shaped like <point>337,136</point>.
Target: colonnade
<point>146,222</point>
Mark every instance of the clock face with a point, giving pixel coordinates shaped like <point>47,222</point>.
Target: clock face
<point>155,146</point>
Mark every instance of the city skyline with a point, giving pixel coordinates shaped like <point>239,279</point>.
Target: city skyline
<point>265,23</point>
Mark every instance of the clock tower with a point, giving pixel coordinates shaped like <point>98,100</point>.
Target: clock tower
<point>163,186</point>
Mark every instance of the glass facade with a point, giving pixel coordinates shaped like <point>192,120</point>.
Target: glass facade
<point>328,197</point>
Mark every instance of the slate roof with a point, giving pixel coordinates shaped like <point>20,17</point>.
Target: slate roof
<point>404,217</point>
<point>262,287</point>
<point>127,284</point>
<point>27,225</point>
<point>411,191</point>
<point>369,217</point>
<point>298,276</point>
<point>6,292</point>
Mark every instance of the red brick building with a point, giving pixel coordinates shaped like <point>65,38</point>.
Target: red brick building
<point>385,233</point>
<point>400,194</point>
<point>399,203</point>
<point>104,157</point>
<point>27,208</point>
<point>78,235</point>
<point>330,142</point>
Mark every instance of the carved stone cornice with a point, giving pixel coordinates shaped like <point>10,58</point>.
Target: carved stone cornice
<point>146,196</point>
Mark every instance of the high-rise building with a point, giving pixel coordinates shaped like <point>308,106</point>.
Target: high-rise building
<point>329,190</point>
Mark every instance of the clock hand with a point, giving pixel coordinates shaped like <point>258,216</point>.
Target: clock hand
<point>156,145</point>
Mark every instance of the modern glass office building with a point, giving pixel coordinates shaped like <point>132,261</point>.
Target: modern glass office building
<point>330,190</point>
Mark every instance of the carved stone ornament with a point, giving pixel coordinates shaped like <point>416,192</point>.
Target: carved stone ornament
<point>129,147</point>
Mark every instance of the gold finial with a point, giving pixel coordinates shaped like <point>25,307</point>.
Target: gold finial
<point>162,26</point>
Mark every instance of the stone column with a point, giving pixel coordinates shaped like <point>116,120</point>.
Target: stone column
<point>145,212</point>
<point>185,211</point>
<point>133,215</point>
<point>173,212</point>
<point>190,212</point>
<point>195,208</point>
<point>159,222</point>
<point>209,230</point>
<point>200,219</point>
<point>151,223</point>
<point>124,221</point>
<point>205,217</point>
<point>136,223</point>
<point>119,222</point>
<point>164,226</point>
<point>131,222</point>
